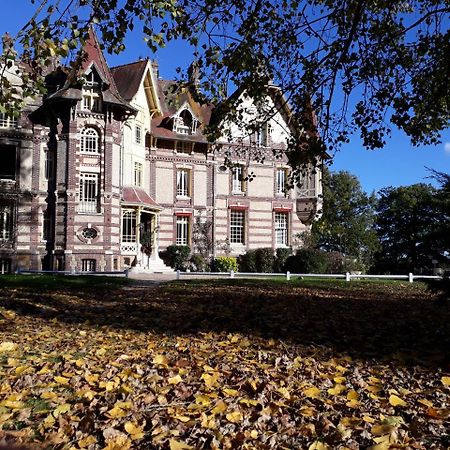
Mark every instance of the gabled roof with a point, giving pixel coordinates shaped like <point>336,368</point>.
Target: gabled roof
<point>92,57</point>
<point>128,78</point>
<point>171,102</point>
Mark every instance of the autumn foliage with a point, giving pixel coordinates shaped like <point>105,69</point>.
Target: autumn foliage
<point>256,365</point>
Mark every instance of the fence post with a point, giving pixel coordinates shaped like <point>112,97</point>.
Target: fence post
<point>410,277</point>
<point>126,272</point>
<point>232,274</point>
<point>288,276</point>
<point>347,276</point>
<point>178,274</point>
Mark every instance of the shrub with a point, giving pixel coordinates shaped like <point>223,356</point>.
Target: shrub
<point>307,260</point>
<point>197,263</point>
<point>281,257</point>
<point>247,262</point>
<point>264,260</point>
<point>260,260</point>
<point>225,264</point>
<point>176,256</point>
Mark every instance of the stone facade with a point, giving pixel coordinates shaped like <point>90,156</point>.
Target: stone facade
<point>102,174</point>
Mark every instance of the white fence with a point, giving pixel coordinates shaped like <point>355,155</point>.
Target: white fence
<point>288,275</point>
<point>70,272</point>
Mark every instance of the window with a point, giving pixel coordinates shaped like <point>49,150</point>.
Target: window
<point>281,181</point>
<point>46,226</point>
<point>7,121</point>
<point>183,147</point>
<point>281,229</point>
<point>89,233</point>
<point>8,158</point>
<point>92,101</point>
<point>49,164</point>
<point>88,265</point>
<point>138,168</point>
<point>89,140</point>
<point>182,230</point>
<point>262,135</point>
<point>5,265</point>
<point>6,222</point>
<point>138,134</point>
<point>183,181</point>
<point>307,186</point>
<point>129,226</point>
<point>237,179</point>
<point>89,193</point>
<point>237,223</point>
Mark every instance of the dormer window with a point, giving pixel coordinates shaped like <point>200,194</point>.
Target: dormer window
<point>91,92</point>
<point>185,123</point>
<point>262,135</point>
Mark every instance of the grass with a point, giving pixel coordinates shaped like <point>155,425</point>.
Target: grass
<point>45,281</point>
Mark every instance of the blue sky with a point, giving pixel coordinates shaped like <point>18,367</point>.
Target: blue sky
<point>399,163</point>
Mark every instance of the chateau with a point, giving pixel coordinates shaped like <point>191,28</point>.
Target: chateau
<point>102,174</point>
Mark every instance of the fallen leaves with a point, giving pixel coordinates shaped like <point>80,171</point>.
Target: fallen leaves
<point>87,380</point>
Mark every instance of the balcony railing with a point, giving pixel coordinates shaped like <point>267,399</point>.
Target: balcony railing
<point>89,207</point>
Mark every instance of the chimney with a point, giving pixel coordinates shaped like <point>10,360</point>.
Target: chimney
<point>155,67</point>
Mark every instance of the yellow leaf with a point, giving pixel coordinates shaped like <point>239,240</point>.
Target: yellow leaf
<point>87,441</point>
<point>220,407</point>
<point>61,380</point>
<point>135,431</point>
<point>211,380</point>
<point>21,369</point>
<point>382,429</point>
<point>7,347</point>
<point>254,434</point>
<point>397,401</point>
<point>339,380</point>
<point>116,413</point>
<point>91,378</point>
<point>337,389</point>
<point>284,392</point>
<point>101,351</point>
<point>249,401</point>
<point>369,419</point>
<point>118,443</point>
<point>312,392</point>
<point>445,381</point>
<point>61,409</point>
<point>178,445</point>
<point>234,417</point>
<point>181,418</point>
<point>425,402</point>
<point>317,445</point>
<point>175,380</point>
<point>230,392</point>
<point>202,400</point>
<point>382,446</point>
<point>49,395</point>
<point>307,411</point>
<point>160,360</point>
<point>12,404</point>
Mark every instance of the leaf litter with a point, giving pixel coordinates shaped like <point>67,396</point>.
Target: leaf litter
<point>206,366</point>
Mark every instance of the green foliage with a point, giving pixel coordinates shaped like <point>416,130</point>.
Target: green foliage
<point>388,51</point>
<point>347,223</point>
<point>281,256</point>
<point>409,224</point>
<point>308,260</point>
<point>202,237</point>
<point>260,260</point>
<point>225,264</point>
<point>176,256</point>
<point>198,263</point>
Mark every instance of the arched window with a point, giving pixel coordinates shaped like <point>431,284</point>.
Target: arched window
<point>90,140</point>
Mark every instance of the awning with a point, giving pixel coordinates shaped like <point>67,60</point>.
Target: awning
<point>135,196</point>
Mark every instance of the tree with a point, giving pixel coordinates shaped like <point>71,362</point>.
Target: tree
<point>407,221</point>
<point>346,225</point>
<point>360,64</point>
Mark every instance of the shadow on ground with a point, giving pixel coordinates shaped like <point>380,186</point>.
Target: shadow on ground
<point>388,322</point>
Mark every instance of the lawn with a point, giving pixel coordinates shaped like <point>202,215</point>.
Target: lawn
<point>228,364</point>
